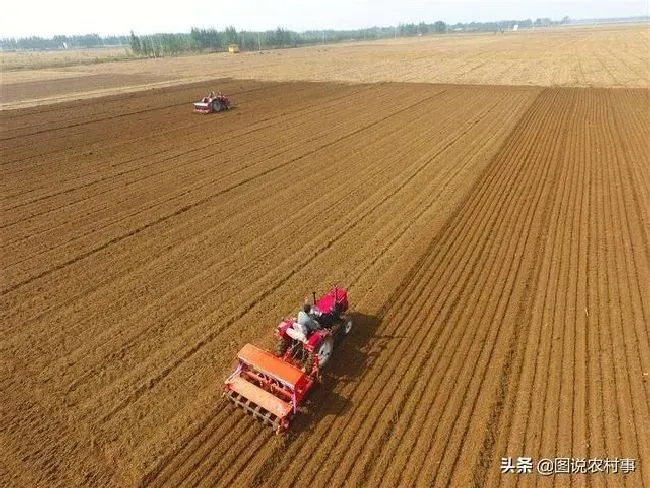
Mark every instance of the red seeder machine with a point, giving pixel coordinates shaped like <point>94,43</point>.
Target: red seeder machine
<point>270,386</point>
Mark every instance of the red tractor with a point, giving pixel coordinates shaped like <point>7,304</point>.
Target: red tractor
<point>271,387</point>
<point>213,103</point>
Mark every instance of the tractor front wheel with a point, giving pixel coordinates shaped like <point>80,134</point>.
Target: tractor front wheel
<point>308,364</point>
<point>347,327</point>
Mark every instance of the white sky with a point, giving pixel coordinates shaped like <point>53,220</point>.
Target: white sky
<point>46,18</point>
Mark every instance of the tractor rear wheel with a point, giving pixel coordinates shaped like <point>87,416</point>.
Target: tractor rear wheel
<point>324,350</point>
<point>216,106</point>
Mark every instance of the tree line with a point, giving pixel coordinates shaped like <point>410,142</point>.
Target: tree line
<point>61,42</point>
<point>211,39</point>
<point>201,39</point>
<point>216,40</point>
<point>508,24</point>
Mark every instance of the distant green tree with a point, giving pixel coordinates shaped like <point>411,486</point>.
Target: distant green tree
<point>408,30</point>
<point>9,44</point>
<point>206,38</point>
<point>136,45</point>
<point>230,35</point>
<point>248,40</point>
<point>282,37</point>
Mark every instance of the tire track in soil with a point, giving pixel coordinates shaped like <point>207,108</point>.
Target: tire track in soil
<point>628,325</point>
<point>184,209</point>
<point>346,428</point>
<point>512,370</point>
<point>487,263</point>
<point>265,294</point>
<point>327,246</point>
<point>229,132</point>
<point>192,144</point>
<point>623,390</point>
<point>532,158</point>
<point>446,320</point>
<point>207,183</point>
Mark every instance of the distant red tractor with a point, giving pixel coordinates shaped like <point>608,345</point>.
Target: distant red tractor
<point>213,103</point>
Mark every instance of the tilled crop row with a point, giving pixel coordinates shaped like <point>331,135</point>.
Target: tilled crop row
<point>492,239</point>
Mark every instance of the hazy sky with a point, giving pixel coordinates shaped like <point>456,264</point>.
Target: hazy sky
<point>46,18</point>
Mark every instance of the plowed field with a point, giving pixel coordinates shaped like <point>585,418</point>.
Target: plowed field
<point>596,56</point>
<point>494,239</point>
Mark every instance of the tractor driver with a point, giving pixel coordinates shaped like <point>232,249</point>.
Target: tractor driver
<point>305,319</point>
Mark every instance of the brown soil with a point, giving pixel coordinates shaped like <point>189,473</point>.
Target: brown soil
<point>47,89</point>
<point>494,241</point>
<point>597,56</point>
